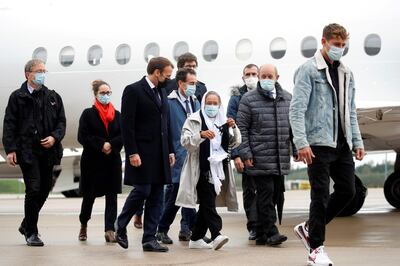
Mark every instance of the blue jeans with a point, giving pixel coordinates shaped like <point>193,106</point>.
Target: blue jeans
<point>170,210</point>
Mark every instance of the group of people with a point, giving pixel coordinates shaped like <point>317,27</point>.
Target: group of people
<point>179,141</point>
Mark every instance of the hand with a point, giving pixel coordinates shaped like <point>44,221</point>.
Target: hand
<point>107,149</point>
<point>208,134</point>
<point>48,142</point>
<point>135,160</point>
<point>231,122</point>
<point>249,163</point>
<point>239,164</point>
<point>296,158</point>
<point>12,159</point>
<point>172,159</point>
<point>305,155</point>
<point>360,153</point>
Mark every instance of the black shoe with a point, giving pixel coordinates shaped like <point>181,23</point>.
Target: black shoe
<point>276,239</point>
<point>184,236</point>
<point>261,240</point>
<point>21,229</point>
<point>154,246</point>
<point>164,238</point>
<point>207,240</point>
<point>122,239</point>
<point>252,235</point>
<point>34,241</point>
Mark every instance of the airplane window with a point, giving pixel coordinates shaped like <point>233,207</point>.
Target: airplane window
<point>179,49</point>
<point>95,54</point>
<point>372,44</point>
<point>123,54</point>
<point>309,46</point>
<point>151,50</point>
<point>278,48</point>
<point>244,49</point>
<point>40,53</point>
<point>210,50</point>
<point>67,55</point>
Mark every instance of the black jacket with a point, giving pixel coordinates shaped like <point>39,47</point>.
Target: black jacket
<point>266,133</point>
<point>146,131</point>
<point>19,131</point>
<point>201,88</point>
<point>101,174</point>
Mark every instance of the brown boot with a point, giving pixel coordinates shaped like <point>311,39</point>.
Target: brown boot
<point>137,221</point>
<point>110,236</point>
<point>83,233</point>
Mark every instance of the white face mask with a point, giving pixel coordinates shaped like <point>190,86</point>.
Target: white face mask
<point>251,82</point>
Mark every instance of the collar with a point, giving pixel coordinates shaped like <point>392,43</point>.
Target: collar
<point>150,83</point>
<point>321,63</point>
<point>30,88</point>
<point>181,96</point>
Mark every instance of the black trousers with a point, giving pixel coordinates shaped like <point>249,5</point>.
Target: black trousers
<point>170,210</point>
<point>153,196</point>
<point>110,214</point>
<point>250,201</point>
<point>339,165</point>
<point>207,216</point>
<point>265,206</point>
<point>38,181</point>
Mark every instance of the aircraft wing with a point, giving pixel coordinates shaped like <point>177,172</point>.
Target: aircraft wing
<point>380,128</point>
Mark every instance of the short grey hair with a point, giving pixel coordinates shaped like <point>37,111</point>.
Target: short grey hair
<point>31,63</point>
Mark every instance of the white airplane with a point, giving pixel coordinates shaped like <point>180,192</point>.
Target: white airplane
<point>85,40</point>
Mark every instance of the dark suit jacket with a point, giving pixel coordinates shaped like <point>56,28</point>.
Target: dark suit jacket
<point>101,174</point>
<point>146,131</point>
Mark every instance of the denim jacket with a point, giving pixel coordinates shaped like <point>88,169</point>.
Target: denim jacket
<point>314,107</point>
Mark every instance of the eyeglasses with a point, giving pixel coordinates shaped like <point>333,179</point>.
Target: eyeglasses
<point>39,71</point>
<point>106,93</point>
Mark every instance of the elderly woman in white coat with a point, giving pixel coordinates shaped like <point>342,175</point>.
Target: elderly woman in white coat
<point>207,134</point>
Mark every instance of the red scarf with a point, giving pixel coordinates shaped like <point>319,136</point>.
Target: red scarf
<point>107,113</point>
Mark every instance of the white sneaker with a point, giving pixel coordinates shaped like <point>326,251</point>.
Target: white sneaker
<point>301,231</point>
<point>199,244</point>
<point>318,257</point>
<point>219,241</point>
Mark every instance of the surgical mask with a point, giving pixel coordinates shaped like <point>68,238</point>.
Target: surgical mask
<point>251,82</point>
<point>267,84</point>
<point>190,90</point>
<point>39,79</point>
<point>335,53</point>
<point>104,99</point>
<point>211,110</point>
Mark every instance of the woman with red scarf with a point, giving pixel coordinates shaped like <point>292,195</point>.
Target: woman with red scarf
<point>100,135</point>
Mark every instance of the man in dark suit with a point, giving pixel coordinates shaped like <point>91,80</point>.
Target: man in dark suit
<point>149,151</point>
<point>187,60</point>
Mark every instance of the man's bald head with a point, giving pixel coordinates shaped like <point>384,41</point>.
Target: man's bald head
<point>268,71</point>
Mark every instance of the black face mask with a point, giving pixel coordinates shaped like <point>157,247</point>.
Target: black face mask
<point>164,83</point>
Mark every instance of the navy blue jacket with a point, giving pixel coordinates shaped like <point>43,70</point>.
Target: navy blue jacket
<point>145,130</point>
<point>233,107</point>
<point>177,119</point>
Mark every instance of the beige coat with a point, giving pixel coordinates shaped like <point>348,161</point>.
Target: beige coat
<point>191,140</point>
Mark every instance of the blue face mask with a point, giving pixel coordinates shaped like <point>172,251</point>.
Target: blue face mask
<point>39,79</point>
<point>335,53</point>
<point>211,110</point>
<point>267,84</point>
<point>104,99</point>
<point>190,90</point>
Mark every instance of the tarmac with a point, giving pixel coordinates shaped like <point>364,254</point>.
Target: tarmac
<point>371,237</point>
